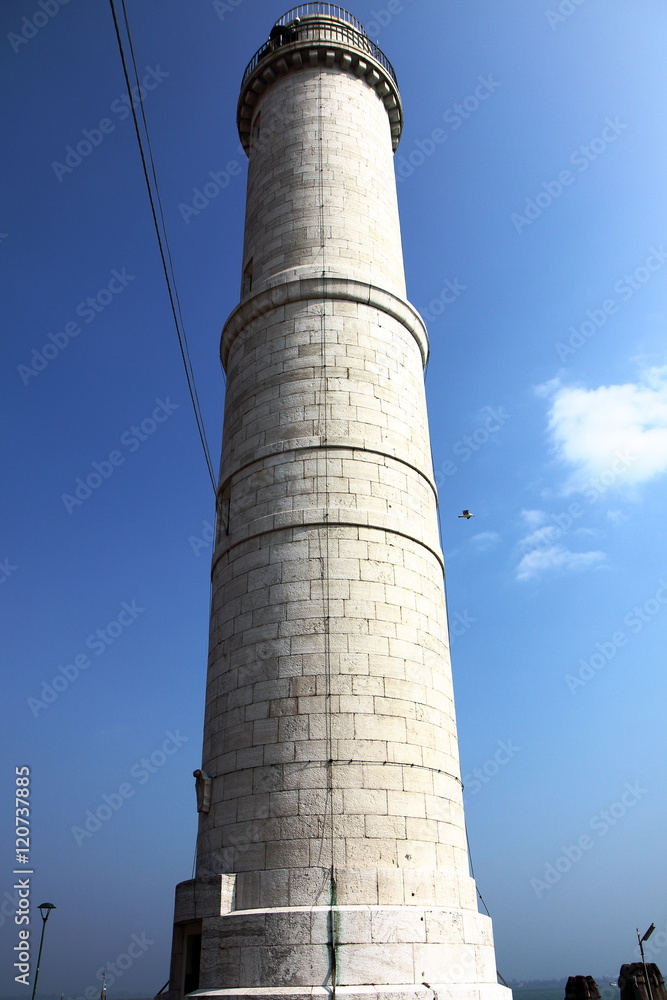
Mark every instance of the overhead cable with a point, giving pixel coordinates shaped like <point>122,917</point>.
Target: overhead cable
<point>161,233</point>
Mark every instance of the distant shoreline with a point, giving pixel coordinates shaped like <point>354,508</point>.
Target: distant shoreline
<point>555,990</point>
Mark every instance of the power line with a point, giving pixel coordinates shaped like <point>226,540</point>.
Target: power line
<point>163,242</point>
<point>164,229</point>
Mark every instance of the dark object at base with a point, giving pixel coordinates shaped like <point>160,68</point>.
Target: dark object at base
<point>581,988</point>
<point>633,986</point>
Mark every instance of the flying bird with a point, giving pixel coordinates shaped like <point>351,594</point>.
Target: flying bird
<point>466,514</point>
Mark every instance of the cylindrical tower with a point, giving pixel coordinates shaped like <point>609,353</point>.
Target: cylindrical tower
<point>331,855</point>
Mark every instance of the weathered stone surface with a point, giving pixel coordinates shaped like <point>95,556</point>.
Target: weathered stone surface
<point>336,813</point>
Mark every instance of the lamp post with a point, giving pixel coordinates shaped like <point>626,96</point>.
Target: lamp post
<point>44,911</point>
<point>641,940</point>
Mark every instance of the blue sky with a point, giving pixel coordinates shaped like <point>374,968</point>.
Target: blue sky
<point>531,190</point>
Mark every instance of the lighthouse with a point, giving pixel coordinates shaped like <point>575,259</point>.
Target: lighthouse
<point>331,852</point>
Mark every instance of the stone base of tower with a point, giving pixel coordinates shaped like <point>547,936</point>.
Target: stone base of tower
<point>371,952</point>
<point>434,991</point>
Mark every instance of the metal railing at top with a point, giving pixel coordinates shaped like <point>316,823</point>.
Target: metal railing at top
<point>313,31</point>
<point>328,9</point>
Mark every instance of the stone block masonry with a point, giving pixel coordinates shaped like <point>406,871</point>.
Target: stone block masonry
<point>332,858</point>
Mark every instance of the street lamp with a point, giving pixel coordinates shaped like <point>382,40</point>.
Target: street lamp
<point>641,940</point>
<point>44,911</point>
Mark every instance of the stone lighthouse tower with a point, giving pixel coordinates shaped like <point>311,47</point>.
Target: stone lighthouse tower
<point>331,855</point>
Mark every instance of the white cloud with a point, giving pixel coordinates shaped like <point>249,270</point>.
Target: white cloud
<point>543,553</point>
<point>612,437</point>
<point>485,540</point>
<point>533,518</point>
<point>545,535</point>
<point>556,557</point>
<point>547,388</point>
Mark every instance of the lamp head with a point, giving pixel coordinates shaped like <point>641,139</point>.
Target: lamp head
<point>45,907</point>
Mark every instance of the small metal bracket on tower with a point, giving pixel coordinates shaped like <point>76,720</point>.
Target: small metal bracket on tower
<point>203,784</point>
